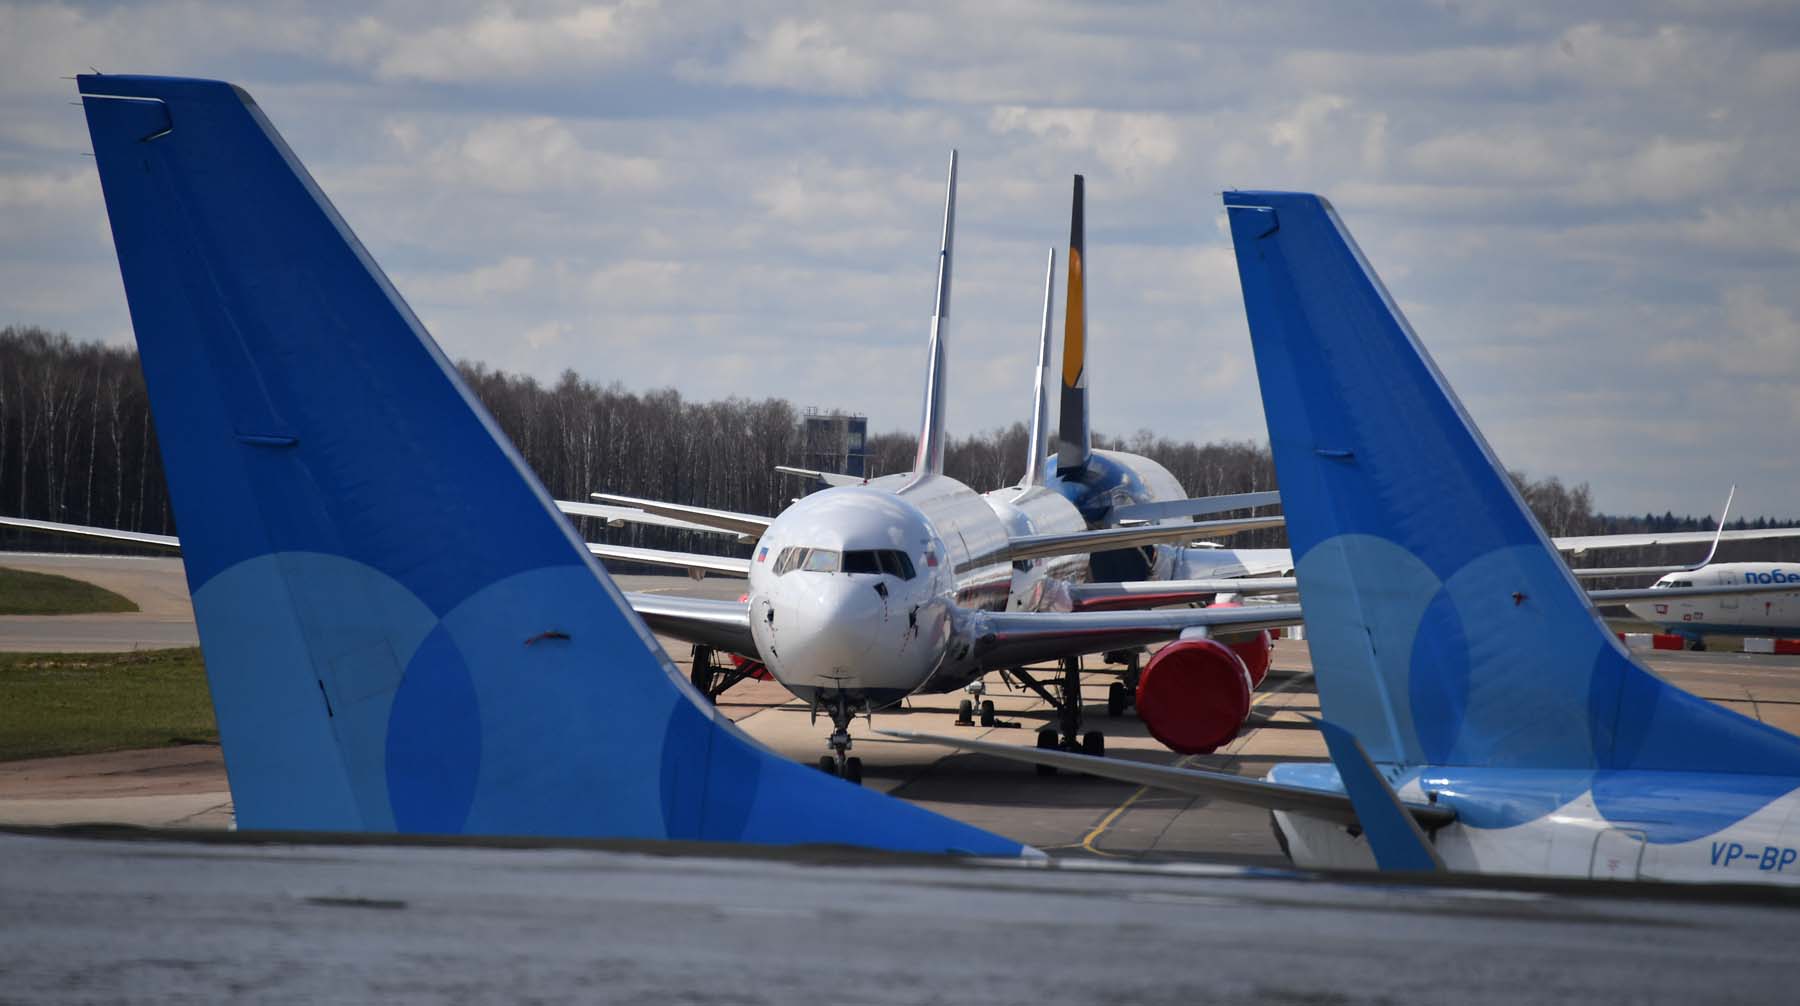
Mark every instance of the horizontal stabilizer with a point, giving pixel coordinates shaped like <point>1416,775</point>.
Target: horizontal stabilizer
<point>1393,833</point>
<point>1037,546</point>
<point>1204,506</point>
<point>1327,805</point>
<point>749,525</point>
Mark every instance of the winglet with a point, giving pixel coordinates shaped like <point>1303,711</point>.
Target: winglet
<point>1076,442</point>
<point>1393,834</point>
<point>930,459</point>
<point>1037,446</point>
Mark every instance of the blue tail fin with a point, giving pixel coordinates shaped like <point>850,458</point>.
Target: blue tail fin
<point>401,633</point>
<point>1446,629</point>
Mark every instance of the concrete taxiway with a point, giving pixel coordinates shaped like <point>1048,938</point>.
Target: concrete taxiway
<point>1067,816</point>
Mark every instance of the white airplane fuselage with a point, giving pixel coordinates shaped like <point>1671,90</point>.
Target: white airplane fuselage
<point>1762,614</point>
<point>863,589</point>
<point>1675,826</point>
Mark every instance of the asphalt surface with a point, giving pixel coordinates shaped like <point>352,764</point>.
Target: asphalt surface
<point>158,921</point>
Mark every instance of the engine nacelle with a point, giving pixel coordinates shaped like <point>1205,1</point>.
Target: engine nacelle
<point>1194,695</point>
<point>1255,650</point>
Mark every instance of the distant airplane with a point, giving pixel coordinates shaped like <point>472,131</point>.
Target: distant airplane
<point>401,633</point>
<point>1772,614</point>
<point>1479,714</point>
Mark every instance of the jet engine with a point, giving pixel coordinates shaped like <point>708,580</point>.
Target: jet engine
<point>1256,650</point>
<point>1194,694</point>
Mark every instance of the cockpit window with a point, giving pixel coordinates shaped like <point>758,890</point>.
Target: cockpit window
<point>879,561</point>
<point>821,560</point>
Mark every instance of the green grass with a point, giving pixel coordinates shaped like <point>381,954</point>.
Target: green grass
<point>80,703</point>
<point>26,593</point>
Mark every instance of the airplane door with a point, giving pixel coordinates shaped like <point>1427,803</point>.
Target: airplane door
<point>1617,854</point>
<point>1726,600</point>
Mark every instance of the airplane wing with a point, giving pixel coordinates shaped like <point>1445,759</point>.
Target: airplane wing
<point>104,533</point>
<point>722,625</point>
<point>692,562</point>
<point>748,525</point>
<point>1037,546</point>
<point>1131,595</point>
<point>1198,507</point>
<point>1595,542</point>
<point>619,516</point>
<point>1015,638</point>
<point>1326,804</point>
<point>829,478</point>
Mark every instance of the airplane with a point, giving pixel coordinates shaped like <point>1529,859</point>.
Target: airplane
<point>1774,614</point>
<point>858,597</point>
<point>401,633</point>
<point>1479,714</point>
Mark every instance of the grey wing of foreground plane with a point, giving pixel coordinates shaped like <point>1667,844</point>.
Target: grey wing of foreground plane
<point>1201,506</point>
<point>1325,804</point>
<point>83,531</point>
<point>1589,543</point>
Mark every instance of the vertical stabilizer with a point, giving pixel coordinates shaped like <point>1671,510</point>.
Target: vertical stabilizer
<point>1072,452</point>
<point>1037,446</point>
<point>401,632</point>
<point>1445,628</point>
<point>930,459</point>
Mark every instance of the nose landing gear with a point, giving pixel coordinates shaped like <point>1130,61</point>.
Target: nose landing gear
<point>840,762</point>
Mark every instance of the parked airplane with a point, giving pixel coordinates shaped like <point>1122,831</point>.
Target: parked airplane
<point>401,634</point>
<point>859,595</point>
<point>1772,614</point>
<point>1480,715</point>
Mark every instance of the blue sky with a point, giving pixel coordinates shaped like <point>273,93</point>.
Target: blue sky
<point>1590,211</point>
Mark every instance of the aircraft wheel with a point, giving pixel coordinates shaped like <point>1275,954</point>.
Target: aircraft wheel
<point>1094,743</point>
<point>853,771</point>
<point>1047,741</point>
<point>828,764</point>
<point>1115,699</point>
<point>988,718</point>
<point>965,713</point>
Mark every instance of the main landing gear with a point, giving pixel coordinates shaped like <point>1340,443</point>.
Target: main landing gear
<point>1122,694</point>
<point>1066,735</point>
<point>712,681</point>
<point>840,762</point>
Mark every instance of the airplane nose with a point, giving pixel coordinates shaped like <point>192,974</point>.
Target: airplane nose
<point>825,630</point>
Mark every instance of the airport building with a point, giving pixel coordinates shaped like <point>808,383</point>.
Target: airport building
<point>836,441</point>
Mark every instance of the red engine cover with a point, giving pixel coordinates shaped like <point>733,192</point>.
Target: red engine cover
<point>1256,650</point>
<point>1194,694</point>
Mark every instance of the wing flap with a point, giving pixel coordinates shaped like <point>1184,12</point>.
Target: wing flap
<point>1015,638</point>
<point>693,562</point>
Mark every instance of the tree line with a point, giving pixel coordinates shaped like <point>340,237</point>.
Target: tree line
<point>78,445</point>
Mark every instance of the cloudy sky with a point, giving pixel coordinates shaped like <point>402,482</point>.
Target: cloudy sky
<point>1590,211</point>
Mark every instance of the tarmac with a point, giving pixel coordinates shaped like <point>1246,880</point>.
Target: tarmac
<point>1145,898</point>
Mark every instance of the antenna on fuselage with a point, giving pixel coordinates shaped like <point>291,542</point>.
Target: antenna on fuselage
<point>1076,445</point>
<point>930,459</point>
<point>1037,446</point>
